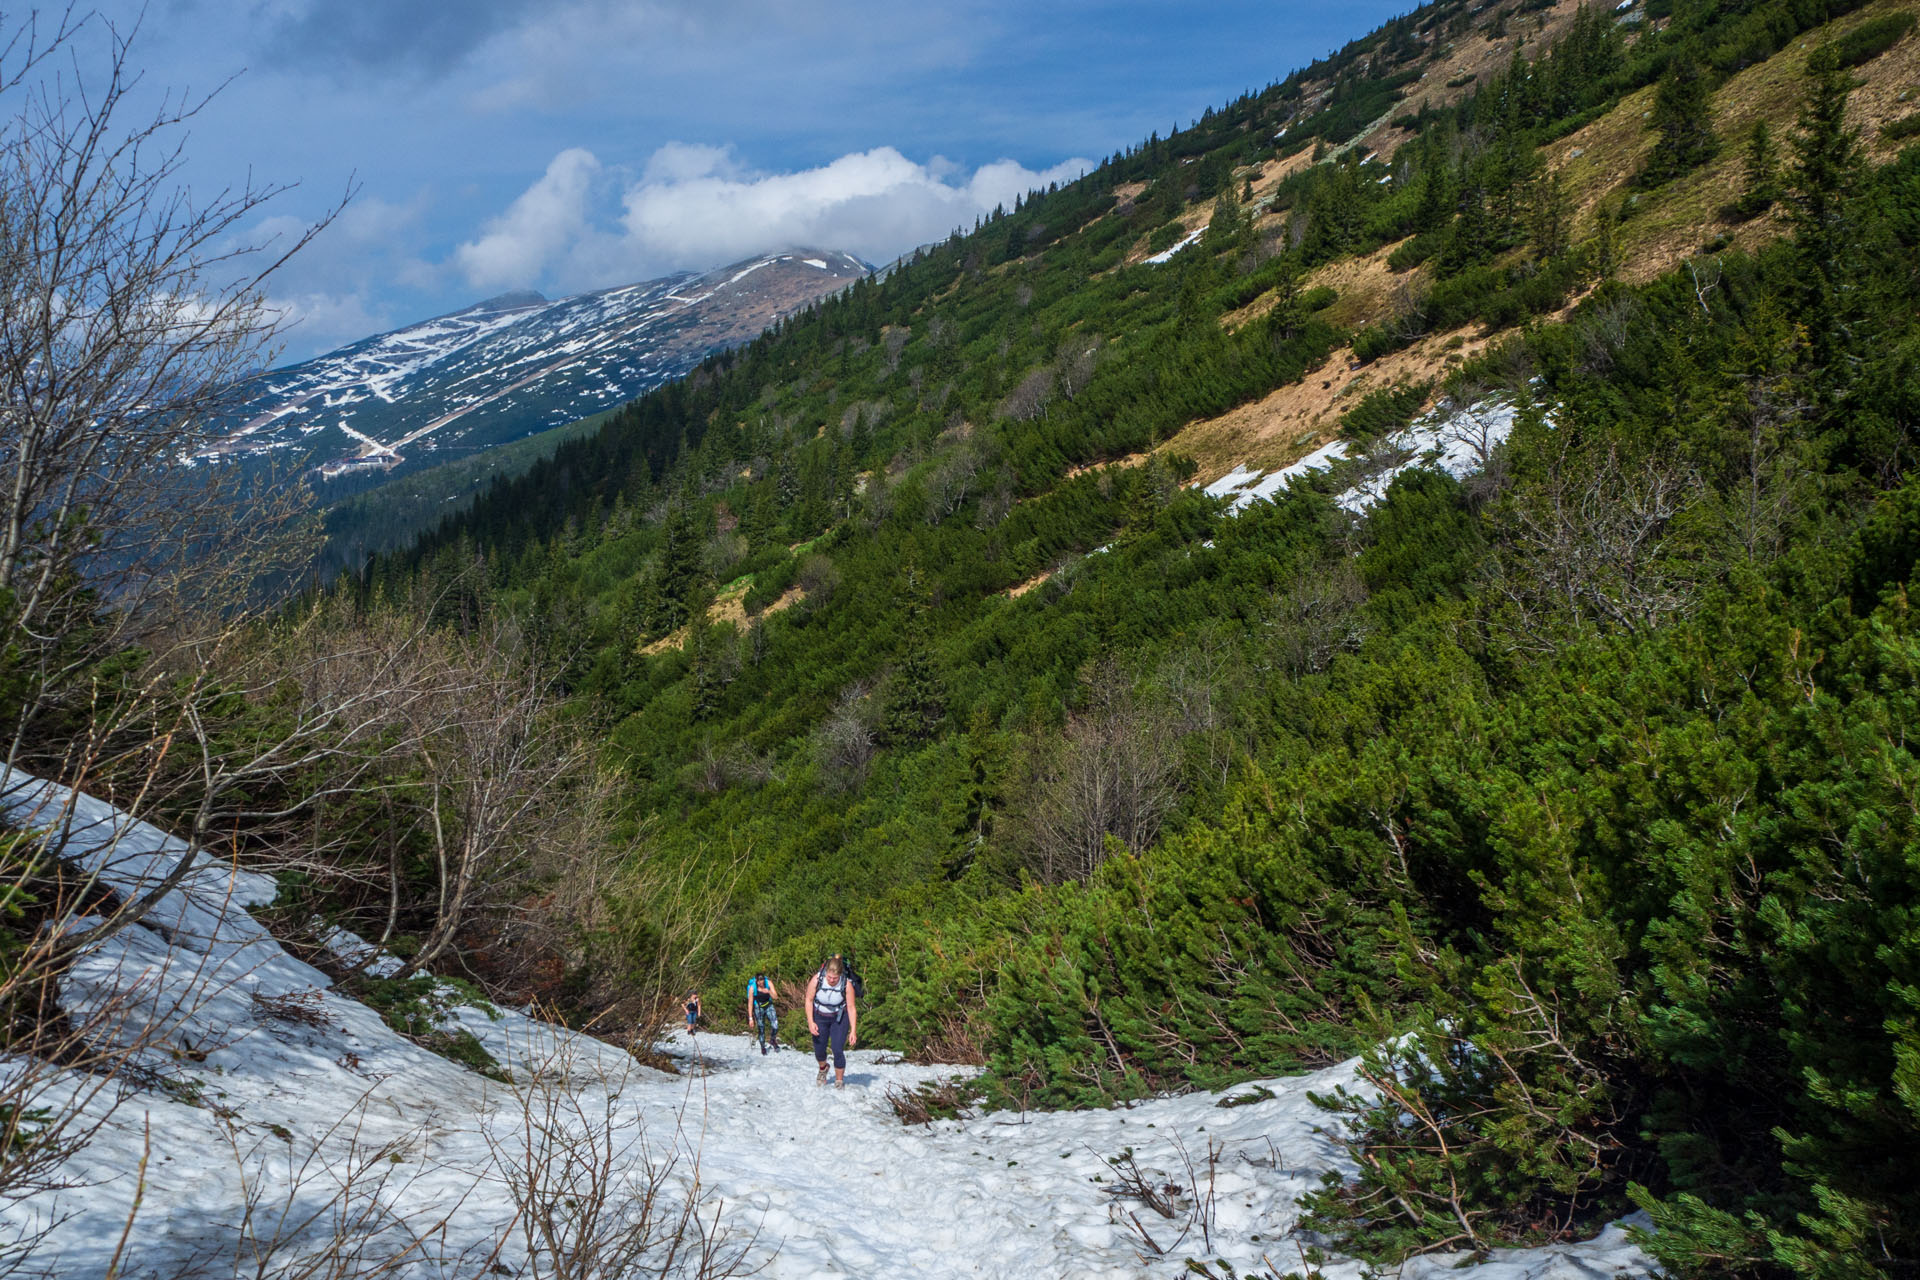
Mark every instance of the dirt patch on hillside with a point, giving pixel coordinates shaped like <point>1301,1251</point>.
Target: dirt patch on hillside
<point>729,606</point>
<point>1015,592</point>
<point>1367,289</point>
<point>1298,418</point>
<point>1131,460</point>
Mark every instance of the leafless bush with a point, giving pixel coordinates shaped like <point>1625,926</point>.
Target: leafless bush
<point>1318,618</point>
<point>1029,397</point>
<point>331,1209</point>
<point>819,577</point>
<point>893,340</point>
<point>719,767</point>
<point>1185,1206</point>
<point>1197,684</point>
<point>596,1200</point>
<point>1078,357</point>
<point>1594,543</point>
<point>848,739</point>
<point>1605,331</point>
<point>953,479</point>
<point>1112,775</point>
<point>302,1007</point>
<point>927,1102</point>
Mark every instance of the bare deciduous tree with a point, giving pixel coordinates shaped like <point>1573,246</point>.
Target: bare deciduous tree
<point>1029,397</point>
<point>847,741</point>
<point>1594,543</point>
<point>129,310</point>
<point>1113,775</point>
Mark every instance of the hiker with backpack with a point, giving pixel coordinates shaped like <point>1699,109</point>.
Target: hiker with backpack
<point>833,1017</point>
<point>762,1016</point>
<point>693,1013</point>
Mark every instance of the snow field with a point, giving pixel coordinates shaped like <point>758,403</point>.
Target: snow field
<point>1458,440</point>
<point>281,1122</point>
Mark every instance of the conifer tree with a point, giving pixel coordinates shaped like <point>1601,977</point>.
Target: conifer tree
<point>1760,187</point>
<point>1683,117</point>
<point>916,701</point>
<point>681,573</point>
<point>1825,177</point>
<point>1551,218</point>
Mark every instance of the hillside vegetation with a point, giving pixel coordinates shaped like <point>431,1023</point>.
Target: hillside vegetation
<point>1583,784</point>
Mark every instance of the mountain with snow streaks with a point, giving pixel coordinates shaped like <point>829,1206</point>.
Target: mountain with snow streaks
<point>514,365</point>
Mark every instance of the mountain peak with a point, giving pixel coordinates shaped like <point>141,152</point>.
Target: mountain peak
<point>513,300</point>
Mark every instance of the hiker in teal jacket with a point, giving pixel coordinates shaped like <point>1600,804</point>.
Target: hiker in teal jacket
<point>762,1016</point>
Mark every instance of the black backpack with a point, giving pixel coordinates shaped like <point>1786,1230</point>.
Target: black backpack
<point>853,979</point>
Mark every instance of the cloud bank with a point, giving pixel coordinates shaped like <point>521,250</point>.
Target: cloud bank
<point>580,226</point>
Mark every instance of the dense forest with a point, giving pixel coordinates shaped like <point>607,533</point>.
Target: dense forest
<point>1575,792</point>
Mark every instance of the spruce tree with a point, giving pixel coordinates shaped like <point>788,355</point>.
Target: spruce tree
<point>1683,117</point>
<point>1760,187</point>
<point>1823,186</point>
<point>1551,218</point>
<point>916,701</point>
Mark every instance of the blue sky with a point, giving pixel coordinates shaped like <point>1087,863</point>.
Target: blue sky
<point>565,145</point>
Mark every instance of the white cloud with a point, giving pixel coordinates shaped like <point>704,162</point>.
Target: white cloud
<point>309,323</point>
<point>538,228</point>
<point>695,206</point>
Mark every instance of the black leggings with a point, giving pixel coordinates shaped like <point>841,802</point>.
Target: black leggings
<point>832,1031</point>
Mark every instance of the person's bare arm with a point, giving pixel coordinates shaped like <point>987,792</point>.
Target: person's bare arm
<point>853,1017</point>
<point>813,1028</point>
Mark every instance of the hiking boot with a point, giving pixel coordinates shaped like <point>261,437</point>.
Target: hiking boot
<point>822,1077</point>
<point>763,1051</point>
<point>840,1084</point>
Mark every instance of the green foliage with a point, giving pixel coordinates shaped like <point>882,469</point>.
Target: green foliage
<point>1872,38</point>
<point>1683,119</point>
<point>418,1008</point>
<point>1579,785</point>
<point>1383,411</point>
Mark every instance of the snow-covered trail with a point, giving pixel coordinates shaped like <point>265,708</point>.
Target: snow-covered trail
<point>267,1122</point>
<point>848,1190</point>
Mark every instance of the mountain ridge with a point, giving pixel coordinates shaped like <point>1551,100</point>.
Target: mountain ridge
<point>513,365</point>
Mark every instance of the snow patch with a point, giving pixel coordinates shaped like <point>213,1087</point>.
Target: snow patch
<point>283,1093</point>
<point>1454,439</point>
<point>1166,255</point>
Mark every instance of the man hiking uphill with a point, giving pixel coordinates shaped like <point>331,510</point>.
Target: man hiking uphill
<point>761,1015</point>
<point>833,1016</point>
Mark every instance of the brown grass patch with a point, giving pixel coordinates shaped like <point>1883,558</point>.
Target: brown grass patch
<point>1300,417</point>
<point>1365,285</point>
<point>1671,224</point>
<point>1131,460</point>
<point>729,606</point>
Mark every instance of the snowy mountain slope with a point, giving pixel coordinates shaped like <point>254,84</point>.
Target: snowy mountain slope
<point>514,365</point>
<point>286,1130</point>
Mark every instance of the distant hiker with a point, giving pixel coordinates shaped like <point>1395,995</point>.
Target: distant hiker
<point>833,1016</point>
<point>761,1015</point>
<point>693,1013</point>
